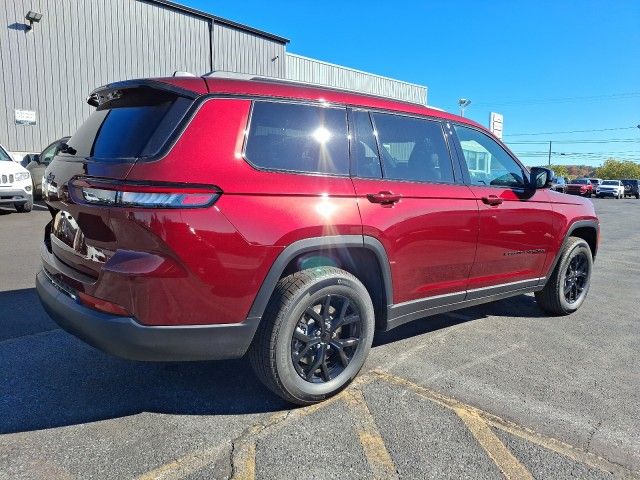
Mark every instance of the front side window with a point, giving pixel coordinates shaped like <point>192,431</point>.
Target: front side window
<point>497,167</point>
<point>4,156</point>
<point>298,138</point>
<point>413,149</point>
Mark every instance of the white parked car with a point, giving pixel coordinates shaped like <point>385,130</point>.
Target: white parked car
<point>610,188</point>
<point>15,184</point>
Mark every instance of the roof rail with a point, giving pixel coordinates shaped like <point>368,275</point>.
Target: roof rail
<point>230,75</point>
<point>248,76</point>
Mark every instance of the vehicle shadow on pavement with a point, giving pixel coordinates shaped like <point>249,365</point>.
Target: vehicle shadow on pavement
<point>48,378</point>
<point>51,379</point>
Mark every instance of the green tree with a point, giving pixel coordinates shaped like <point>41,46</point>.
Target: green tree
<point>617,169</point>
<point>559,170</point>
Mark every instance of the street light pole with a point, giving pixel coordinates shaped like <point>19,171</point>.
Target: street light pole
<point>549,152</point>
<point>463,102</point>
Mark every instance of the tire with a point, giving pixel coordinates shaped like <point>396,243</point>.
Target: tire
<point>274,346</point>
<point>637,196</point>
<point>553,298</point>
<point>25,207</point>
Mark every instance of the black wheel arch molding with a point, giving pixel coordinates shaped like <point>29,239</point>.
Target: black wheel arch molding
<point>592,224</point>
<point>327,243</point>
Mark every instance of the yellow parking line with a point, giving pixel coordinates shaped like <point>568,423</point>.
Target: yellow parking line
<point>550,443</point>
<point>244,461</point>
<point>378,456</point>
<point>509,465</point>
<point>183,466</point>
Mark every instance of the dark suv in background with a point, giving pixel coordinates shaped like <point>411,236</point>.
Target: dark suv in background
<point>205,218</point>
<point>631,188</point>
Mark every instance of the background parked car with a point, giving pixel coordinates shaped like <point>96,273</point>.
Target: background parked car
<point>580,186</point>
<point>631,187</point>
<point>559,184</point>
<point>610,188</point>
<point>595,182</point>
<point>15,184</point>
<point>39,163</point>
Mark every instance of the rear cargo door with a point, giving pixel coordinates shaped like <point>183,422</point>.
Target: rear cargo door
<point>132,122</point>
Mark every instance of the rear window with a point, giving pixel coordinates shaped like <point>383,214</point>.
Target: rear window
<point>298,138</point>
<point>581,181</point>
<point>610,182</point>
<point>136,124</point>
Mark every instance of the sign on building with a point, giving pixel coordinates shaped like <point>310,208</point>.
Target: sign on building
<point>495,124</point>
<point>25,117</point>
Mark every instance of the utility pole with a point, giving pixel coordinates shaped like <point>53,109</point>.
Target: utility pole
<point>549,152</point>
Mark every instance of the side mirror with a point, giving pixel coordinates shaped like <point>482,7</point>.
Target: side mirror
<point>35,158</point>
<point>540,178</point>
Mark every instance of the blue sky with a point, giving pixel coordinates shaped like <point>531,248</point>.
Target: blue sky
<point>547,66</point>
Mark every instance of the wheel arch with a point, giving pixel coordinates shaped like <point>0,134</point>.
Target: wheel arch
<point>362,256</point>
<point>588,230</point>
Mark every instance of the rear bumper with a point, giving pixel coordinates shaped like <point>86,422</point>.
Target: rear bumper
<point>125,337</point>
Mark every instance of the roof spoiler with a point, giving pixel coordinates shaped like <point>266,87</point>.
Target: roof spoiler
<point>113,91</point>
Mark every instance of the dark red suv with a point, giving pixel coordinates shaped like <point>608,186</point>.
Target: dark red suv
<point>209,218</point>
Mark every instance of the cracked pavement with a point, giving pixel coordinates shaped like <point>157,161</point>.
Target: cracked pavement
<point>498,390</point>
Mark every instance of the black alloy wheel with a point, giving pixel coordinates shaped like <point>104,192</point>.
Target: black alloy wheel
<point>326,338</point>
<point>576,277</point>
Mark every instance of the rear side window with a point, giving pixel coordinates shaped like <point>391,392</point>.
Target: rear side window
<point>298,138</point>
<point>413,149</point>
<point>136,124</point>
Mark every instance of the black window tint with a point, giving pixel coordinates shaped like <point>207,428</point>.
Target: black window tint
<point>413,149</point>
<point>364,151</point>
<point>298,138</point>
<point>487,161</point>
<point>136,124</point>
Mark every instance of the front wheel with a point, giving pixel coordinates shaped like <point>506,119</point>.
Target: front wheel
<point>24,207</point>
<point>315,335</point>
<point>568,285</point>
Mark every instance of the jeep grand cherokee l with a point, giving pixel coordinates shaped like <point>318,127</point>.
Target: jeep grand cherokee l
<point>208,218</point>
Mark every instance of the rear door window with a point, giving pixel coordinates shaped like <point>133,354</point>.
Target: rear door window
<point>298,138</point>
<point>135,124</point>
<point>412,149</point>
<point>364,149</point>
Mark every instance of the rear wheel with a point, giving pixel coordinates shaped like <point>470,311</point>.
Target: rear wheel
<point>567,288</point>
<point>315,335</point>
<point>24,207</point>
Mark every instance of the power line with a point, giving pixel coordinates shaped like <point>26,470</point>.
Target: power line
<point>568,131</point>
<point>570,142</point>
<point>546,101</point>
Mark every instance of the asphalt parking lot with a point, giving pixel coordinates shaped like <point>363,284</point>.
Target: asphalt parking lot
<point>492,391</point>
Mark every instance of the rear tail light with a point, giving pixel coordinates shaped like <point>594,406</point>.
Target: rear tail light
<point>119,193</point>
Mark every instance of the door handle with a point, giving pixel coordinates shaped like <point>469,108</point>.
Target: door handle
<point>492,200</point>
<point>384,198</point>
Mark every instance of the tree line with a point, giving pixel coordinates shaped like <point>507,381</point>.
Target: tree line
<point>611,169</point>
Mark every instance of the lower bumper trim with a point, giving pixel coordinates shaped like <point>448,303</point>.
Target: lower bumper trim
<point>125,337</point>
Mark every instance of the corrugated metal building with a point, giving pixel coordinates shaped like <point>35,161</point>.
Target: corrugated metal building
<point>81,44</point>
